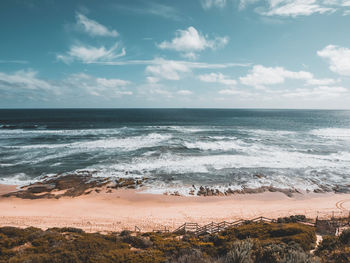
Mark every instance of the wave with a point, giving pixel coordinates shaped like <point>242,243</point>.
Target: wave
<point>210,164</point>
<point>127,143</point>
<point>7,164</point>
<point>111,131</point>
<point>260,132</point>
<point>22,127</point>
<point>189,129</point>
<point>18,179</point>
<point>333,133</point>
<point>220,145</point>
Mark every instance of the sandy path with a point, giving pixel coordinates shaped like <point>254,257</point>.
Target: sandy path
<point>125,209</point>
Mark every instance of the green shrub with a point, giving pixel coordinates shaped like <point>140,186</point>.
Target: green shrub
<point>241,252</point>
<point>345,237</point>
<point>252,242</point>
<point>190,256</point>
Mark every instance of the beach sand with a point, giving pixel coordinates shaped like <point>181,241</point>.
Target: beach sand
<point>125,209</point>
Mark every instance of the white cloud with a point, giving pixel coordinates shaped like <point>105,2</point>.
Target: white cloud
<point>338,57</point>
<point>112,83</point>
<point>320,82</point>
<point>27,84</point>
<point>190,64</point>
<point>184,92</point>
<point>90,54</point>
<point>244,3</point>
<point>230,92</point>
<point>93,28</point>
<point>240,94</point>
<point>261,76</point>
<point>166,69</point>
<point>24,80</point>
<point>189,42</point>
<point>317,93</point>
<point>296,8</point>
<point>153,8</point>
<point>217,78</point>
<point>102,87</point>
<point>321,93</point>
<point>154,90</point>
<point>207,4</point>
<point>160,68</point>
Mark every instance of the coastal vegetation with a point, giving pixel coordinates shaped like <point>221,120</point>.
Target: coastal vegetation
<point>335,249</point>
<point>250,242</point>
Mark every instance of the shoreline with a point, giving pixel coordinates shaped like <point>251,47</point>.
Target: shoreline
<point>123,209</point>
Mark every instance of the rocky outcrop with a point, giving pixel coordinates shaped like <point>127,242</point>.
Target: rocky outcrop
<point>206,191</point>
<point>73,185</point>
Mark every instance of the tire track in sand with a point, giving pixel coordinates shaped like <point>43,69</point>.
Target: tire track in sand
<point>340,204</point>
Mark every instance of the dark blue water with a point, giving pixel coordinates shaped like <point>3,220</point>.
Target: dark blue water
<point>177,147</point>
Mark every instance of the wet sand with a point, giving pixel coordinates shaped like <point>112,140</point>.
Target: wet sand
<point>125,209</point>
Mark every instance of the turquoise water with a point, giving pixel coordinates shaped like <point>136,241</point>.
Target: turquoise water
<point>301,149</point>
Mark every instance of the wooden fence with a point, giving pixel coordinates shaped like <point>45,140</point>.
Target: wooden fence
<point>213,227</point>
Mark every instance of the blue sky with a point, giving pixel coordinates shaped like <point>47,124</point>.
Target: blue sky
<point>163,53</point>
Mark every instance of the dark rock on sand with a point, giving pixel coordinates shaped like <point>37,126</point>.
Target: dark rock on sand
<point>72,185</point>
<point>216,192</point>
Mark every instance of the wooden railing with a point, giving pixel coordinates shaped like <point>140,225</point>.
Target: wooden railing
<point>163,230</point>
<point>213,227</point>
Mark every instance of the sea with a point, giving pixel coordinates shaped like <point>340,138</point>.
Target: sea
<point>177,148</point>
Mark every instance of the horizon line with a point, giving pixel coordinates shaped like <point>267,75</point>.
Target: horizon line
<point>169,108</point>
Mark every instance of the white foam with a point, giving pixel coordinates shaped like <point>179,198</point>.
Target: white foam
<point>7,164</point>
<point>333,133</point>
<point>190,129</point>
<point>127,143</point>
<point>222,145</point>
<point>269,132</point>
<point>62,132</point>
<point>18,179</point>
<point>173,164</point>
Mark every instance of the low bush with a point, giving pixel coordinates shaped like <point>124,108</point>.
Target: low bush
<point>252,242</point>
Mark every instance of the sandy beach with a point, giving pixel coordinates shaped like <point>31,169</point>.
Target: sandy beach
<point>125,209</point>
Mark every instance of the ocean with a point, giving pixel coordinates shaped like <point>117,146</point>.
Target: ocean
<point>294,149</point>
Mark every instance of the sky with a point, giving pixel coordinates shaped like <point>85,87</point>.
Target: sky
<point>175,54</point>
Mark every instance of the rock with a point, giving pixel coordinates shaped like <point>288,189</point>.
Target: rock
<point>202,191</point>
<point>219,193</point>
<point>318,191</point>
<point>127,182</point>
<point>229,192</point>
<point>138,182</point>
<point>210,192</point>
<point>191,192</point>
<point>40,189</point>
